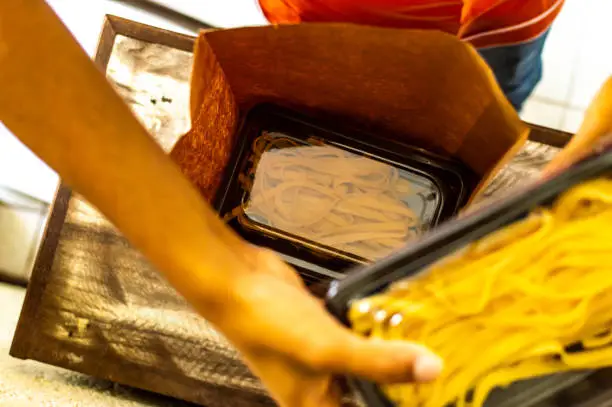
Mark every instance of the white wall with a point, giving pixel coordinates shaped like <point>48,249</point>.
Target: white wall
<point>577,61</point>
<point>20,169</point>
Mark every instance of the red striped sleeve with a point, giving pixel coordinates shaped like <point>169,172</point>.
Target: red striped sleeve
<point>510,22</point>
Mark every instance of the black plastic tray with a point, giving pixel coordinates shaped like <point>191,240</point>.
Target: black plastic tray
<point>447,239</point>
<point>453,180</point>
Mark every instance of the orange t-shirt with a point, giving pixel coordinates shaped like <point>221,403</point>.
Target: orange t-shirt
<point>484,23</point>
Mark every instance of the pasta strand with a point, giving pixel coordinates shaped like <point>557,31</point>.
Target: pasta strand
<point>530,300</point>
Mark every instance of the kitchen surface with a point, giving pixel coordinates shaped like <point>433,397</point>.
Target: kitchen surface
<point>575,65</point>
<point>28,383</point>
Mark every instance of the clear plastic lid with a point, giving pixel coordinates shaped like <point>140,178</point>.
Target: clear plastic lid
<point>326,195</point>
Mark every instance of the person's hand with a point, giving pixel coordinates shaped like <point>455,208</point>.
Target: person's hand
<point>290,341</point>
<point>257,302</point>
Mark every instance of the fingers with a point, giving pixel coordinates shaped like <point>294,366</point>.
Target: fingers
<point>389,361</point>
<point>379,360</point>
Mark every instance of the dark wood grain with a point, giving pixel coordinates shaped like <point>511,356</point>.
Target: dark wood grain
<point>147,33</point>
<point>40,274</point>
<point>96,306</point>
<point>548,136</point>
<point>105,311</point>
<point>105,43</point>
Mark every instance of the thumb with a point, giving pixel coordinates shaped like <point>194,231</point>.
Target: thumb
<point>381,360</point>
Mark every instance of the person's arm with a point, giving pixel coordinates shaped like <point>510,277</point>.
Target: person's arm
<point>56,101</point>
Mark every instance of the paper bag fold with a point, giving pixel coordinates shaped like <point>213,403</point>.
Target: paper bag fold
<point>421,88</point>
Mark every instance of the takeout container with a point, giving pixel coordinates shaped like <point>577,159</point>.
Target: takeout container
<point>422,102</point>
<point>326,173</point>
<point>451,238</point>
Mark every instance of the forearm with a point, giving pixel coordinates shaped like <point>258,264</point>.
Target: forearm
<point>55,100</point>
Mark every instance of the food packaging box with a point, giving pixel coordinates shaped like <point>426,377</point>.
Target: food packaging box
<point>422,106</point>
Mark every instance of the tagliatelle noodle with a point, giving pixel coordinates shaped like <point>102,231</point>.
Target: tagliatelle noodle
<point>532,299</point>
<point>329,196</point>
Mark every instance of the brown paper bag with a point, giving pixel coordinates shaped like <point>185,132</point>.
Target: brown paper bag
<point>425,89</point>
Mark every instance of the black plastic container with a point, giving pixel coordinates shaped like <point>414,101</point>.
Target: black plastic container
<point>451,237</point>
<point>441,186</point>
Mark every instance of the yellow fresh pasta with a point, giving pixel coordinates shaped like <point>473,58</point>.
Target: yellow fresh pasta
<point>532,299</point>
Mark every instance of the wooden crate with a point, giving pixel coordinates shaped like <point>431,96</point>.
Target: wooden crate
<point>96,306</point>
